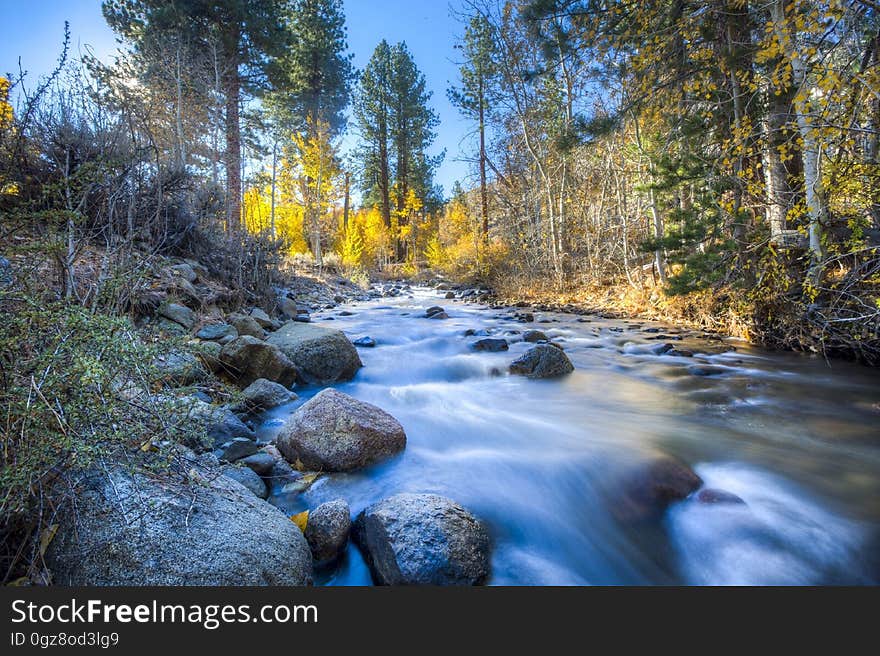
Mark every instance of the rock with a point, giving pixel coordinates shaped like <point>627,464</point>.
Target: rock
<point>184,271</point>
<point>263,319</point>
<point>263,394</point>
<point>249,479</point>
<point>346,313</point>
<point>288,307</point>
<point>449,296</point>
<point>210,532</point>
<point>705,370</point>
<point>542,361</point>
<point>662,349</point>
<point>261,463</point>
<point>335,432</point>
<point>524,317</point>
<point>436,312</point>
<point>327,530</point>
<point>535,336</point>
<point>248,359</point>
<point>305,318</point>
<point>647,489</point>
<point>365,342</point>
<point>682,353</point>
<point>491,344</point>
<point>209,354</point>
<point>246,325</point>
<point>179,314</point>
<point>712,496</point>
<point>422,539</point>
<point>221,424</point>
<point>217,331</point>
<point>236,449</point>
<point>280,475</point>
<point>180,368</point>
<point>322,355</point>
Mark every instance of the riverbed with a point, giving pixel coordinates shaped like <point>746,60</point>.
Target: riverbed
<point>795,437</point>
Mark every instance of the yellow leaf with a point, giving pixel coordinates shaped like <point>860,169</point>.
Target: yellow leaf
<point>301,520</point>
<point>19,582</point>
<point>46,537</point>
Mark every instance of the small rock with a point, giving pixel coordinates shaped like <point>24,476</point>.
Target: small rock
<point>263,319</point>
<point>217,331</point>
<point>179,314</point>
<point>261,462</point>
<point>246,325</point>
<point>449,296</point>
<point>327,530</point>
<point>431,311</point>
<point>542,361</point>
<point>535,336</point>
<point>237,449</point>
<point>711,495</point>
<point>706,370</point>
<point>249,479</point>
<point>262,395</point>
<point>490,344</point>
<point>366,342</point>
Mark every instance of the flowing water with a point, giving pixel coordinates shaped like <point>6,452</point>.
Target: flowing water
<point>796,438</point>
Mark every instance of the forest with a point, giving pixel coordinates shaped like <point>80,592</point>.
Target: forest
<point>710,164</point>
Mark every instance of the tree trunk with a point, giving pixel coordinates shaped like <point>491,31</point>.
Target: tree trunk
<point>232,89</point>
<point>345,206</point>
<point>484,193</point>
<point>816,208</point>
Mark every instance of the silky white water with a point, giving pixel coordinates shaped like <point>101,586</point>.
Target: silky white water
<point>795,438</point>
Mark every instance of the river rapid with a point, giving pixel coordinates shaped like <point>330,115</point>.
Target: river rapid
<point>795,437</point>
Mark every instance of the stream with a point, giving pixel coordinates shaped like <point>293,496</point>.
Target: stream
<point>795,437</point>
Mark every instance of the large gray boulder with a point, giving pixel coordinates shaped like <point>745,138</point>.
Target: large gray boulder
<point>335,432</point>
<point>327,530</point>
<point>248,359</point>
<point>323,355</point>
<point>542,361</point>
<point>134,529</point>
<point>221,424</point>
<point>180,367</point>
<point>422,539</point>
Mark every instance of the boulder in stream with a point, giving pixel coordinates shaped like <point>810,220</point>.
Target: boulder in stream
<point>322,355</point>
<point>647,489</point>
<point>490,344</point>
<point>535,336</point>
<point>336,432</point>
<point>263,394</point>
<point>542,361</point>
<point>422,539</point>
<point>327,530</point>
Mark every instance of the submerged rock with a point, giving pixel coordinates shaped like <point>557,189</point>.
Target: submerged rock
<point>322,355</point>
<point>327,530</point>
<point>535,336</point>
<point>434,310</point>
<point>422,539</point>
<point>365,342</point>
<point>336,432</point>
<point>542,361</point>
<point>490,344</point>
<point>249,359</point>
<point>648,489</point>
<point>713,496</point>
<point>207,531</point>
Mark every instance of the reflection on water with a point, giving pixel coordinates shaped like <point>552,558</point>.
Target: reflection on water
<point>796,439</point>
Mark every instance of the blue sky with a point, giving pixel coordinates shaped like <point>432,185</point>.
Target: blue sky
<point>32,30</point>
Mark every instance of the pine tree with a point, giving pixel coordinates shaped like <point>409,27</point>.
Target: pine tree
<point>471,97</point>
